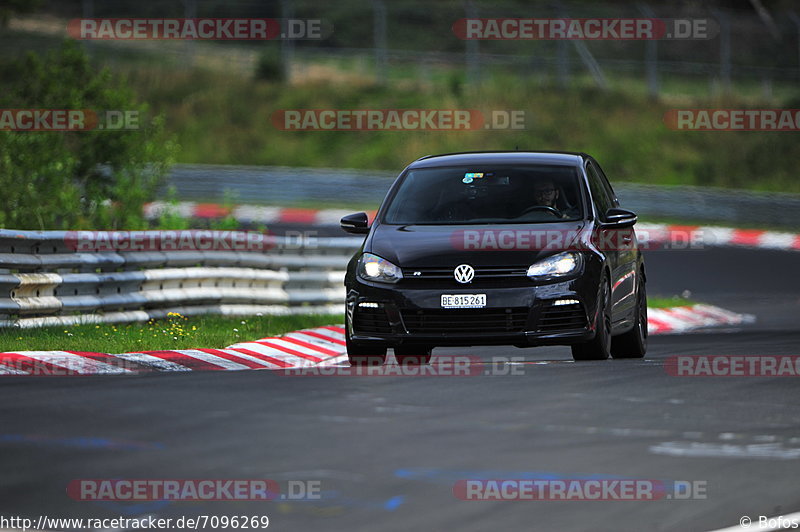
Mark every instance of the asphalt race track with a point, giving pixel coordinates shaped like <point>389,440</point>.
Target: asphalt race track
<point>388,450</point>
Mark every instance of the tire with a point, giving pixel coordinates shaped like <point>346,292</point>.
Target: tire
<point>599,348</point>
<point>413,355</point>
<point>362,354</point>
<point>633,344</point>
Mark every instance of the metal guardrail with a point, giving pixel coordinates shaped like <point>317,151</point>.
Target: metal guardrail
<point>68,278</point>
<point>733,207</point>
<point>277,185</point>
<point>286,186</point>
<point>45,279</point>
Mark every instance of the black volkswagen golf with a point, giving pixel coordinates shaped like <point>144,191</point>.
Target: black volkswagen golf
<point>496,248</point>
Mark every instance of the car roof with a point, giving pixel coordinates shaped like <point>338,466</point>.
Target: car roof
<point>500,157</point>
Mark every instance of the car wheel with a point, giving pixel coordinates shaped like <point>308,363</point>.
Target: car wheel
<point>633,344</point>
<point>413,355</point>
<point>599,348</point>
<point>363,354</point>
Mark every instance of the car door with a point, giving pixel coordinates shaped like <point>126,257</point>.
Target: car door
<point>622,253</point>
<point>607,239</point>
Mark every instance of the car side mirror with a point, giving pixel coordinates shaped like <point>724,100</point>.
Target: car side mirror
<point>619,218</point>
<point>357,223</point>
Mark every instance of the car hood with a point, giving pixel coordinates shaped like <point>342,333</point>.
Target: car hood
<point>439,246</point>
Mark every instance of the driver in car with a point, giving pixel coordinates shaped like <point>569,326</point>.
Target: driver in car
<point>546,194</point>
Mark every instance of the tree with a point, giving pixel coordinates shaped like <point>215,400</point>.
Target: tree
<point>97,179</point>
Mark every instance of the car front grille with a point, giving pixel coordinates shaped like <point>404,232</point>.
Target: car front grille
<point>483,320</point>
<point>562,317</point>
<point>494,277</point>
<point>371,321</point>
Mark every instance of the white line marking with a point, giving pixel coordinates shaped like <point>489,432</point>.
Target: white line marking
<point>299,335</point>
<point>329,333</point>
<point>153,361</point>
<point>773,240</point>
<point>768,451</point>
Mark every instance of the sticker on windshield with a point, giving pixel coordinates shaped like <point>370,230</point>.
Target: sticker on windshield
<point>469,177</point>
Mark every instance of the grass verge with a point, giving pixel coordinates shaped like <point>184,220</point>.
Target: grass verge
<point>177,332</point>
<point>180,332</point>
<point>666,302</point>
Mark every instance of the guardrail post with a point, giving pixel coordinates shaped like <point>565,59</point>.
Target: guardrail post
<point>724,49</point>
<point>379,34</point>
<point>287,45</point>
<point>793,16</point>
<point>472,47</point>
<point>88,12</point>
<point>651,56</point>
<point>190,11</point>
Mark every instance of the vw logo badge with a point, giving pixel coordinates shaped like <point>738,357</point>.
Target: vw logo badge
<point>464,273</point>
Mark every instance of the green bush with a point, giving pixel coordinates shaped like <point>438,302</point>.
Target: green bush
<point>270,66</point>
<point>77,179</point>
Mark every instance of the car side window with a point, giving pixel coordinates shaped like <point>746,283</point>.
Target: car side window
<point>600,195</point>
<point>606,184</point>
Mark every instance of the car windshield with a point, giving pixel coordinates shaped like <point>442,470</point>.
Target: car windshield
<point>486,195</point>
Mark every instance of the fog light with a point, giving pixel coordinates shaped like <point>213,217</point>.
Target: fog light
<point>559,302</point>
<point>368,304</point>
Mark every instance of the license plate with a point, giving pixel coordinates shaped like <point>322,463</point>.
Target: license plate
<point>463,300</point>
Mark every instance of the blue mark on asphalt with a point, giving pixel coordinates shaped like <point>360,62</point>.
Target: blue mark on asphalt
<point>80,443</point>
<point>394,503</point>
<point>336,498</point>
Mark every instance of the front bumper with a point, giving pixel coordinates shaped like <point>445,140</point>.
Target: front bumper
<point>522,315</point>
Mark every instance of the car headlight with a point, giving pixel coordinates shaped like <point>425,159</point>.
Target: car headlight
<point>374,268</point>
<point>559,265</point>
